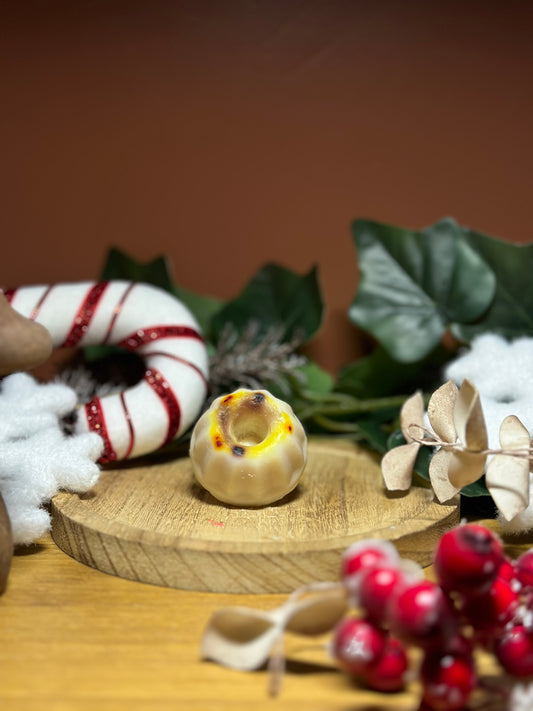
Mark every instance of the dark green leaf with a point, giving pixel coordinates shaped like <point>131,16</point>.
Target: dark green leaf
<point>414,284</point>
<point>157,272</point>
<point>203,307</point>
<point>120,266</point>
<point>276,297</point>
<point>315,378</point>
<point>375,430</point>
<point>378,375</point>
<point>511,311</point>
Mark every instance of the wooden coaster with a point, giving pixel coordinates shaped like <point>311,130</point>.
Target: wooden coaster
<point>156,525</point>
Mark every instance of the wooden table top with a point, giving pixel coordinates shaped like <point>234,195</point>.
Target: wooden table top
<point>75,639</point>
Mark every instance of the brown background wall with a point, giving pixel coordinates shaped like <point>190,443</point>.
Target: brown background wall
<point>228,134</point>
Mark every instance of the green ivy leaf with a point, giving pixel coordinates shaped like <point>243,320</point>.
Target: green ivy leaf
<point>276,297</point>
<point>510,313</point>
<point>414,284</point>
<point>375,428</point>
<point>378,375</point>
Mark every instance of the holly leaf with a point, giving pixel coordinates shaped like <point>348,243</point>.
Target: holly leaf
<point>276,298</point>
<point>510,313</point>
<point>203,307</point>
<point>415,284</point>
<point>119,265</point>
<point>157,272</point>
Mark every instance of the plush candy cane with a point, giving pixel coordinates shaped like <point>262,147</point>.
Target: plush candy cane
<point>140,318</point>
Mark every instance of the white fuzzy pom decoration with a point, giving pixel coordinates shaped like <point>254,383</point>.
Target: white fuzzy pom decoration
<point>36,458</point>
<point>502,372</point>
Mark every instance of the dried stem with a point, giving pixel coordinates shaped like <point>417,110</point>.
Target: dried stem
<point>429,439</point>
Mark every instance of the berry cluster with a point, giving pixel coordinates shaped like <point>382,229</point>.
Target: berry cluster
<point>481,599</point>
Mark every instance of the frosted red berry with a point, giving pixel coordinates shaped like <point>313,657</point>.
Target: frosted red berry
<point>507,572</point>
<point>493,610</point>
<point>357,644</point>
<point>524,570</point>
<point>467,558</point>
<point>514,650</point>
<point>422,614</point>
<point>363,556</point>
<point>389,672</point>
<point>447,681</point>
<point>377,588</point>
<point>481,597</point>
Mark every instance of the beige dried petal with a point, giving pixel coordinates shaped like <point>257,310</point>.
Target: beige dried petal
<point>465,467</point>
<point>468,418</point>
<point>513,435</point>
<point>440,411</point>
<point>317,613</point>
<point>412,413</point>
<point>439,475</point>
<point>240,638</point>
<point>397,466</point>
<point>507,477</point>
<point>411,570</point>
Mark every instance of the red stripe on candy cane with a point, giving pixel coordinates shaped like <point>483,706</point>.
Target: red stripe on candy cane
<point>154,333</point>
<point>84,316</point>
<point>178,359</point>
<point>10,295</point>
<point>35,311</point>
<point>163,390</point>
<point>96,423</point>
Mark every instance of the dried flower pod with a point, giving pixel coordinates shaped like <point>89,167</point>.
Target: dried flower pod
<point>248,448</point>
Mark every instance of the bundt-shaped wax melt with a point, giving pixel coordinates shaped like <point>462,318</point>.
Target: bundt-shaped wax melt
<point>248,448</point>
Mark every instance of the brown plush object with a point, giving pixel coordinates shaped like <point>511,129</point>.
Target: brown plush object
<point>24,344</point>
<point>6,545</point>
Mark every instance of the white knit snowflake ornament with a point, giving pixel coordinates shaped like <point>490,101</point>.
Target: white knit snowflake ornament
<point>36,458</point>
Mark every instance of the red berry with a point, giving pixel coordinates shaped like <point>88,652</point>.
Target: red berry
<point>493,610</point>
<point>448,680</point>
<point>507,571</point>
<point>514,651</point>
<point>458,646</point>
<point>361,557</point>
<point>388,674</point>
<point>357,644</point>
<point>376,588</point>
<point>467,558</point>
<point>524,570</point>
<point>422,614</point>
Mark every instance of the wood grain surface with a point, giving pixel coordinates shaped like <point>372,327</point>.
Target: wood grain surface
<point>74,639</point>
<point>155,524</point>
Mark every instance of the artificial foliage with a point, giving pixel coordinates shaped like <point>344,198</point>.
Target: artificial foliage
<point>421,296</point>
